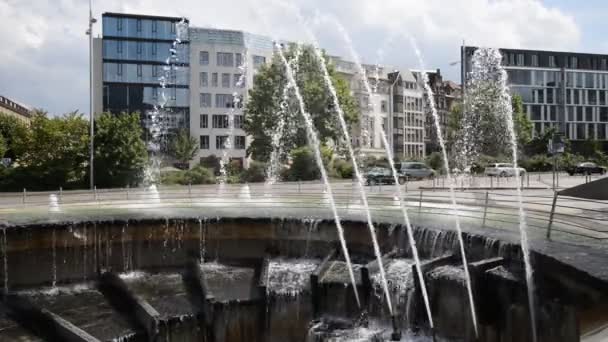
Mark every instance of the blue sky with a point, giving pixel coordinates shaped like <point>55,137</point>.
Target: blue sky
<point>44,59</point>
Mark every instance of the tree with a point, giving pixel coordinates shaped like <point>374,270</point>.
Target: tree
<point>184,147</point>
<point>120,152</point>
<point>55,153</point>
<point>16,135</point>
<point>3,147</point>
<point>523,126</point>
<point>267,109</point>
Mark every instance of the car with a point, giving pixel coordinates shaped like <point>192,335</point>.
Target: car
<point>586,168</point>
<point>381,175</point>
<point>503,170</point>
<point>415,170</point>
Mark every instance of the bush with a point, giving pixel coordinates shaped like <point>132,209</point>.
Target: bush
<point>212,162</point>
<point>303,166</point>
<point>537,163</point>
<point>197,175</point>
<point>256,173</point>
<point>343,168</point>
<point>435,161</point>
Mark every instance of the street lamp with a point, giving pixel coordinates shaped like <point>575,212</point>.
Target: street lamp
<point>89,32</point>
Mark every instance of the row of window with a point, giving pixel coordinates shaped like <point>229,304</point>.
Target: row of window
<point>574,113</point>
<point>221,100</point>
<point>228,80</point>
<point>554,96</point>
<point>138,73</point>
<point>221,142</point>
<point>140,28</point>
<point>143,51</point>
<point>220,121</point>
<point>554,79</point>
<point>229,59</point>
<point>532,59</point>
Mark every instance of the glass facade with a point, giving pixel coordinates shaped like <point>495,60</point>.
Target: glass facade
<point>565,91</point>
<point>137,52</point>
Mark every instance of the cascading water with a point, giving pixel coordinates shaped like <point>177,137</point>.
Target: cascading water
<point>433,109</point>
<point>5,259</point>
<point>400,196</point>
<point>492,64</point>
<point>314,142</point>
<point>54,242</point>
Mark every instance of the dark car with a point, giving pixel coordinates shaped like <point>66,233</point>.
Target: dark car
<point>587,168</point>
<point>381,175</point>
<point>415,170</point>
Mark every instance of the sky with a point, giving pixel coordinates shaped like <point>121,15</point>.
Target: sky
<point>44,55</point>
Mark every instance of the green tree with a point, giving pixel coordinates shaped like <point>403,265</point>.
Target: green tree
<point>184,147</point>
<point>267,108</point>
<point>120,152</point>
<point>523,126</point>
<point>16,136</point>
<point>3,147</point>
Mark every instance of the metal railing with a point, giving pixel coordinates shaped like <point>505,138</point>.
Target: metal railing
<point>577,217</point>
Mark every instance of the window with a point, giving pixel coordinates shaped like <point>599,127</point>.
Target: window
<point>573,62</point>
<point>154,26</point>
<point>223,100</point>
<point>204,121</point>
<point>592,97</point>
<point>119,47</point>
<point>237,79</point>
<point>258,60</point>
<point>214,79</point>
<point>204,142</point>
<point>238,121</point>
<point>520,59</point>
<point>534,60</point>
<point>139,48</point>
<point>552,62</point>
<point>603,65</point>
<point>536,113</point>
<point>383,106</point>
<point>220,121</point>
<point>138,25</point>
<point>155,70</point>
<point>550,98</point>
<point>603,114</point>
<point>119,69</point>
<point>225,80</point>
<point>225,59</point>
<point>239,59</point>
<point>119,24</point>
<point>204,79</point>
<point>139,70</point>
<point>205,100</point>
<point>204,58</point>
<point>239,142</point>
<point>220,142</point>
<point>589,80</point>
<point>589,114</point>
<point>154,49</point>
<point>173,28</point>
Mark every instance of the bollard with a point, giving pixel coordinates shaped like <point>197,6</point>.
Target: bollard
<point>299,187</point>
<point>60,194</point>
<point>127,192</point>
<point>551,215</point>
<point>491,182</point>
<point>95,192</point>
<point>24,195</point>
<point>420,203</point>
<point>528,179</point>
<point>189,189</point>
<point>485,210</point>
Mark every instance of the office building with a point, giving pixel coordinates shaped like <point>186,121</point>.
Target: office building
<point>14,109</point>
<point>562,90</point>
<point>223,64</point>
<point>135,53</point>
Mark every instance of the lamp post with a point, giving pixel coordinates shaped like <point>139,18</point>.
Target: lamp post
<point>92,107</point>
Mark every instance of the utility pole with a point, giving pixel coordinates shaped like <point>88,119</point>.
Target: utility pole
<point>92,107</point>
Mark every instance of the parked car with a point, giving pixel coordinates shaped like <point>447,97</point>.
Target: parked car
<point>586,168</point>
<point>503,170</point>
<point>381,175</point>
<point>415,170</point>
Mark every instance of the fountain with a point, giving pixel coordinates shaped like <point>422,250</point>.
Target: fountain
<point>245,193</point>
<point>433,110</point>
<point>487,65</point>
<point>54,204</point>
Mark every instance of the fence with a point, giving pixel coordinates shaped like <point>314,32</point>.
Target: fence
<point>576,217</point>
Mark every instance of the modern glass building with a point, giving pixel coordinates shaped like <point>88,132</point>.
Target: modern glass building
<point>564,90</point>
<point>137,53</point>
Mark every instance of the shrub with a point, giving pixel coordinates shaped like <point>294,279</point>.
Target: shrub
<point>435,161</point>
<point>197,175</point>
<point>303,166</point>
<point>256,173</point>
<point>212,162</point>
<point>343,168</point>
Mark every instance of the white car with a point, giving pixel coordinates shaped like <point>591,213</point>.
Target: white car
<point>503,170</point>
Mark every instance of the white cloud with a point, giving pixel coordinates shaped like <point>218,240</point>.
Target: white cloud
<point>44,57</point>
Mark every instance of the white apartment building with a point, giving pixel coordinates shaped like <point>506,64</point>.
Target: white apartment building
<point>396,107</point>
<point>218,59</point>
